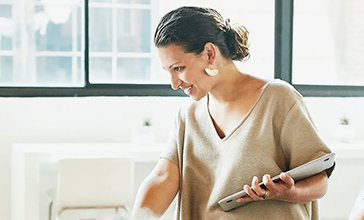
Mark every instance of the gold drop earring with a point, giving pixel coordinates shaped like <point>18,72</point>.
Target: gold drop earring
<point>211,72</point>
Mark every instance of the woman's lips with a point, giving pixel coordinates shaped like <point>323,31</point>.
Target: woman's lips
<point>188,90</point>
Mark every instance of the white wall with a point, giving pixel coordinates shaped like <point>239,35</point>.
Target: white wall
<point>109,119</point>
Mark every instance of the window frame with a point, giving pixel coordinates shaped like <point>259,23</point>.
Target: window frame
<point>284,13</point>
<point>282,69</point>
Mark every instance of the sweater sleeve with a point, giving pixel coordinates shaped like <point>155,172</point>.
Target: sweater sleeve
<point>170,151</point>
<point>300,140</point>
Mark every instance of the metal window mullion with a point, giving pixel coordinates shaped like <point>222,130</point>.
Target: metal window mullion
<point>59,3</point>
<point>118,5</point>
<point>24,52</point>
<point>30,45</point>
<point>283,39</point>
<point>114,34</point>
<point>18,65</point>
<point>85,27</point>
<point>6,53</point>
<point>57,53</point>
<point>330,90</point>
<point>74,45</point>
<point>12,54</point>
<point>155,65</point>
<point>7,2</point>
<point>120,54</point>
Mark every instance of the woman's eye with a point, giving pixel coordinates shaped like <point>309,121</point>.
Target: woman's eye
<point>178,68</point>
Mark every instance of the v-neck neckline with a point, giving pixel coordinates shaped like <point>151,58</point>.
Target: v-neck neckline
<point>227,136</point>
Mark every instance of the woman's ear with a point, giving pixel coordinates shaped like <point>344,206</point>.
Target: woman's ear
<point>210,50</point>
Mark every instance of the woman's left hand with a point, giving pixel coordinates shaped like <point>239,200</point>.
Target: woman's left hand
<point>281,190</point>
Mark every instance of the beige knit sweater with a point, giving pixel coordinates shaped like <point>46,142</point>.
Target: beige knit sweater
<point>276,135</point>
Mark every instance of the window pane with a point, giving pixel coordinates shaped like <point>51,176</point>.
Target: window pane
<point>328,42</point>
<point>100,29</point>
<point>54,70</point>
<point>121,44</point>
<point>135,70</point>
<point>6,70</point>
<point>100,70</point>
<point>128,70</point>
<point>7,27</point>
<point>52,36</point>
<point>134,30</point>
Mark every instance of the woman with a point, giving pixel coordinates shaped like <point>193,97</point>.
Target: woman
<point>239,131</point>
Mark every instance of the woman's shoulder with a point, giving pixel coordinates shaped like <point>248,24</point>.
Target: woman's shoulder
<point>190,107</point>
<point>283,89</point>
<point>280,95</point>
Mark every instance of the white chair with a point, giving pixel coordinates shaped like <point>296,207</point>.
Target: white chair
<point>93,184</point>
<point>357,212</point>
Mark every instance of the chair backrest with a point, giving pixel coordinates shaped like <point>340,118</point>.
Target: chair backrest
<point>95,182</point>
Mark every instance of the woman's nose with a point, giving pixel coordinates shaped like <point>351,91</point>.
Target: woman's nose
<point>175,83</point>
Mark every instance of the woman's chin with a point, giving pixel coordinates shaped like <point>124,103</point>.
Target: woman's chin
<point>197,97</point>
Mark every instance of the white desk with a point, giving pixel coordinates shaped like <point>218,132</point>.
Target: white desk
<point>26,160</point>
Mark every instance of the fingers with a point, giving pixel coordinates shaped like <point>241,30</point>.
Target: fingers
<point>244,199</point>
<point>272,191</point>
<point>251,193</point>
<point>287,180</point>
<point>280,189</point>
<point>255,191</point>
<point>256,188</point>
<point>268,181</point>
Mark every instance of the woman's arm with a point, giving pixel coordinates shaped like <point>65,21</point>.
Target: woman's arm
<point>303,191</point>
<point>157,191</point>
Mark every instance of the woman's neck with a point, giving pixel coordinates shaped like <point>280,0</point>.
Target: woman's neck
<point>230,84</point>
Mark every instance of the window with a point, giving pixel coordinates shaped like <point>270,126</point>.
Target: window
<point>328,47</point>
<point>328,42</point>
<point>120,46</point>
<point>63,48</point>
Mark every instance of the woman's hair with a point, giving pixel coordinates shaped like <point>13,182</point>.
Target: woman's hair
<point>193,27</point>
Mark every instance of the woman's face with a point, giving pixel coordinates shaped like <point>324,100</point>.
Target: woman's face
<point>187,70</point>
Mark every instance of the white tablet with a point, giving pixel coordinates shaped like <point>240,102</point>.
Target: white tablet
<point>301,172</point>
